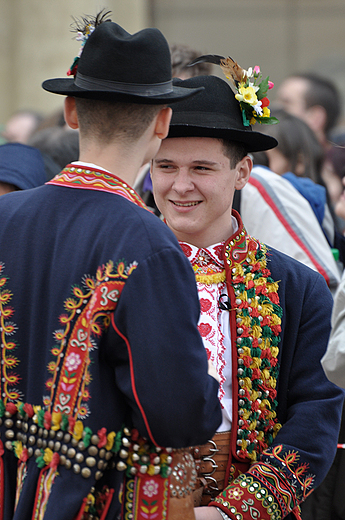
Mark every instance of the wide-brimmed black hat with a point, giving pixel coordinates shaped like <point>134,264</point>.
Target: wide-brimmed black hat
<point>116,65</point>
<point>214,112</point>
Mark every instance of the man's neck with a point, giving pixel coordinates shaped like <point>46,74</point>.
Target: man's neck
<point>123,165</point>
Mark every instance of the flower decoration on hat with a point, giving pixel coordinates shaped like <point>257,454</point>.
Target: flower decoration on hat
<point>251,89</point>
<point>84,28</point>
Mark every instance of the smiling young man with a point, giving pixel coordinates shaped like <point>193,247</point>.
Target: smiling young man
<point>264,320</point>
<point>96,341</point>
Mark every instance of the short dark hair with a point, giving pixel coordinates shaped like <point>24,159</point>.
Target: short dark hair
<point>322,92</point>
<point>106,120</point>
<point>234,151</point>
<point>181,56</point>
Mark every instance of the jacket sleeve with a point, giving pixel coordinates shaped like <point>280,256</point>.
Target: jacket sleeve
<point>333,361</point>
<point>309,411</point>
<point>160,361</point>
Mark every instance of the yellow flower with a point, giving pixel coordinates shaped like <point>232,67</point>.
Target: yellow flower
<point>78,430</point>
<point>238,270</point>
<point>252,121</point>
<point>18,448</point>
<point>48,455</point>
<point>252,456</point>
<point>247,94</point>
<point>110,441</point>
<point>56,420</point>
<point>266,112</point>
<point>274,351</point>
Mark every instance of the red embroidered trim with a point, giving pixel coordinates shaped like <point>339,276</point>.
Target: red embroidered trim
<point>254,297</point>
<point>146,498</point>
<point>44,485</point>
<point>259,493</point>
<point>92,306</point>
<point>94,179</point>
<point>96,505</point>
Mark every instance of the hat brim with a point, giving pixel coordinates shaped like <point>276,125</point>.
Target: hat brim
<point>67,87</point>
<point>253,141</point>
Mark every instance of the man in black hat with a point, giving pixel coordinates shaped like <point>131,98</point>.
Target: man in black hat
<point>99,308</point>
<point>265,317</point>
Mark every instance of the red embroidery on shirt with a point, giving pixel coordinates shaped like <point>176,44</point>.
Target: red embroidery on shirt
<point>205,304</point>
<point>186,249</point>
<point>204,329</point>
<point>218,251</point>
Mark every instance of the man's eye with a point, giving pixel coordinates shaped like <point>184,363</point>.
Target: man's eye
<point>166,167</point>
<point>202,168</point>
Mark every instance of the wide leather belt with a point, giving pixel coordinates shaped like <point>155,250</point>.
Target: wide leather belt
<point>211,460</point>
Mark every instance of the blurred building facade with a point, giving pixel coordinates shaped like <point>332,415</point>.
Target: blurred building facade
<point>282,36</point>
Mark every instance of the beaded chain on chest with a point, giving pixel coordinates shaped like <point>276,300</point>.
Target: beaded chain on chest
<point>258,325</point>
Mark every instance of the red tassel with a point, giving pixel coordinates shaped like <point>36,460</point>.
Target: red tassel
<point>29,409</point>
<point>11,407</point>
<point>102,434</point>
<point>55,461</point>
<point>71,423</point>
<point>47,420</point>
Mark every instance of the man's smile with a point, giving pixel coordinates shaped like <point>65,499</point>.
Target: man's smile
<point>186,204</point>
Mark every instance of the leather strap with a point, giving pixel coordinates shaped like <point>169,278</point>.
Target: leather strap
<point>211,460</point>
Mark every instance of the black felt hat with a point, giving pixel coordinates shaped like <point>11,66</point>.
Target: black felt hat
<point>116,65</point>
<point>214,112</point>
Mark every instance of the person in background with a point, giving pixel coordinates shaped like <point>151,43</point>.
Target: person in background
<point>328,502</point>
<point>333,361</point>
<point>314,99</point>
<point>21,168</point>
<point>299,158</point>
<point>317,101</point>
<point>335,165</point>
<point>104,375</point>
<point>265,318</point>
<point>59,146</point>
<point>21,125</point>
<point>181,56</point>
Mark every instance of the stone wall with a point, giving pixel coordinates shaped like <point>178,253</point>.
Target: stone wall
<point>282,36</point>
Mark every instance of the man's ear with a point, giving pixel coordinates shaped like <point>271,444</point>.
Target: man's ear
<point>162,122</point>
<point>243,169</point>
<point>71,117</point>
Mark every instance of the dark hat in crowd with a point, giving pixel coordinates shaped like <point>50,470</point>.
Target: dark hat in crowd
<point>22,166</point>
<point>214,112</point>
<point>116,65</point>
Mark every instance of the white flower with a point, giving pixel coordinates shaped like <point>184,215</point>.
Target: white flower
<point>258,108</point>
<point>249,72</point>
<point>150,488</point>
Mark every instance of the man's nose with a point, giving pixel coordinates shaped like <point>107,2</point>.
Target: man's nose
<point>183,181</point>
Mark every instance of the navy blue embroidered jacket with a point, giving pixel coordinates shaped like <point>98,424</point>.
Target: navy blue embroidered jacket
<point>99,314</point>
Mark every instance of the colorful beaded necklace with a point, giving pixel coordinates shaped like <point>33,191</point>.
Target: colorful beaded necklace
<point>258,325</point>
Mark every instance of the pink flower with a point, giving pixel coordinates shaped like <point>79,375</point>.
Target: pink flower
<point>257,69</point>
<point>270,85</point>
<point>72,362</point>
